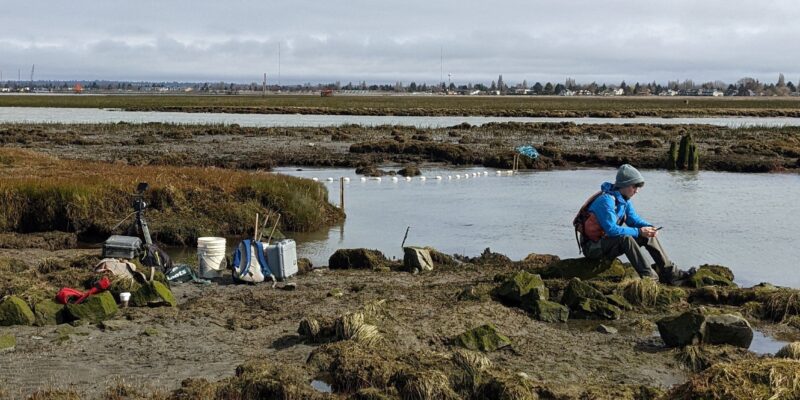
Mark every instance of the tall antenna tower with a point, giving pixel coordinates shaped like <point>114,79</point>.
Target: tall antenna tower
<point>33,66</point>
<point>264,86</point>
<point>441,64</point>
<point>279,66</point>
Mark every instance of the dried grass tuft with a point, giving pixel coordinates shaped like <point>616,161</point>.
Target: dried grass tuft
<point>748,379</point>
<point>470,361</point>
<point>424,385</point>
<point>640,292</point>
<point>791,350</point>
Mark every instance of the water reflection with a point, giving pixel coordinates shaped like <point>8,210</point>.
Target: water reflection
<point>708,217</point>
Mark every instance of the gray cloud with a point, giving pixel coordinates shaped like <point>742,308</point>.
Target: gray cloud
<point>604,41</point>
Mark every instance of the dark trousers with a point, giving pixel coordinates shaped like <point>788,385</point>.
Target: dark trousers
<point>612,247</point>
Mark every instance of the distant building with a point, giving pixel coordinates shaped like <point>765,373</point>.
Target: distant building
<point>566,92</point>
<point>668,92</point>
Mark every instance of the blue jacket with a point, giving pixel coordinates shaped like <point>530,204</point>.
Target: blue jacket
<point>608,211</point>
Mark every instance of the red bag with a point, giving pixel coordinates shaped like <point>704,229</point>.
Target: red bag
<point>74,296</point>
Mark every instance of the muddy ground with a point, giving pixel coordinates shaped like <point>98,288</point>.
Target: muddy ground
<point>217,327</point>
<point>561,145</point>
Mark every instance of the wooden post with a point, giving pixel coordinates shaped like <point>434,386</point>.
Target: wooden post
<point>341,193</point>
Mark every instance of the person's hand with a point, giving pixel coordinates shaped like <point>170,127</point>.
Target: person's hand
<point>648,231</point>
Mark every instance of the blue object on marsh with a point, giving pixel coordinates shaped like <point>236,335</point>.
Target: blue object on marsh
<point>529,151</point>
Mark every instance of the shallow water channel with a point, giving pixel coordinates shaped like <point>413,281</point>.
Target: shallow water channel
<point>95,115</point>
<point>747,222</point>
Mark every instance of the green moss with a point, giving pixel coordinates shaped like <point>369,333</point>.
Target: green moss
<point>670,295</point>
<point>587,268</point>
<point>619,301</point>
<point>596,309</point>
<point>577,290</point>
<point>7,343</point>
<point>483,338</point>
<point>519,285</point>
<point>153,294</point>
<point>711,275</point>
<point>14,311</point>
<point>150,331</point>
<point>48,312</point>
<point>546,311</point>
<point>335,292</point>
<point>94,309</point>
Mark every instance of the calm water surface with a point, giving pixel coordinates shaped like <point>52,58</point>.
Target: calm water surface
<point>747,222</point>
<point>94,115</point>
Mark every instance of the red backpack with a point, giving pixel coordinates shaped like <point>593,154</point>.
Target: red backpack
<point>586,225</point>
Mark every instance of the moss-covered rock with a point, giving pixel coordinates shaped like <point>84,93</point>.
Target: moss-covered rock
<point>705,326</point>
<point>544,310</point>
<point>154,294</point>
<point>711,275</point>
<point>48,312</point>
<point>669,295</point>
<point>596,309</point>
<point>440,259</point>
<point>478,292</point>
<point>619,301</point>
<point>519,285</point>
<point>681,330</point>
<point>15,311</point>
<point>727,329</point>
<point>7,343</point>
<point>577,290</point>
<point>94,309</point>
<point>357,259</point>
<point>484,338</point>
<point>588,268</point>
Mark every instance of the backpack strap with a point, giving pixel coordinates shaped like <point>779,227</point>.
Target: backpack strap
<point>262,260</point>
<point>242,264</point>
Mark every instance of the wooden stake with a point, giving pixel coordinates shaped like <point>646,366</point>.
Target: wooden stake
<point>255,229</point>
<point>269,239</point>
<point>264,226</point>
<point>341,193</point>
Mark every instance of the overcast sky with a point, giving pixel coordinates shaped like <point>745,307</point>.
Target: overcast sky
<point>389,40</point>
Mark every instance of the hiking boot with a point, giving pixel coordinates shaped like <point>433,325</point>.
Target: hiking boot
<point>680,277</point>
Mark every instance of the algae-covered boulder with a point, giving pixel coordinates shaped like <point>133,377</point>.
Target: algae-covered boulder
<point>588,268</point>
<point>711,275</point>
<point>154,294</point>
<point>7,343</point>
<point>701,326</point>
<point>519,285</point>
<point>304,266</point>
<point>409,170</point>
<point>483,338</point>
<point>418,258</point>
<point>441,259</point>
<point>596,309</point>
<point>48,312</point>
<point>577,290</point>
<point>544,310</point>
<point>681,330</point>
<point>727,329</point>
<point>619,301</point>
<point>357,259</point>
<point>541,259</point>
<point>15,311</point>
<point>94,309</point>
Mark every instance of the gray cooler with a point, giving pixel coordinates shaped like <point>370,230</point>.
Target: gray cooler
<point>282,258</point>
<point>118,246</point>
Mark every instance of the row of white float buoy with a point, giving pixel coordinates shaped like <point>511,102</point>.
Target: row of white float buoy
<point>424,178</point>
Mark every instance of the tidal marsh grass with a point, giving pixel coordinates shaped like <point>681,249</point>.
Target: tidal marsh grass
<point>41,193</point>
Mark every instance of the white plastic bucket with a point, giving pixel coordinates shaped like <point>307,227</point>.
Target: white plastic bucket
<point>211,256</point>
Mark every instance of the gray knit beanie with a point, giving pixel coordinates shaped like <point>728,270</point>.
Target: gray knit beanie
<point>627,176</point>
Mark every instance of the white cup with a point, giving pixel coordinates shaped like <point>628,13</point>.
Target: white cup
<point>124,297</point>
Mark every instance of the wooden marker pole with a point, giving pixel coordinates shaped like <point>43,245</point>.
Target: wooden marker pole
<point>341,193</point>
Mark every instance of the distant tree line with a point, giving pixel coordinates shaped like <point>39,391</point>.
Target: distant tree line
<point>743,87</point>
